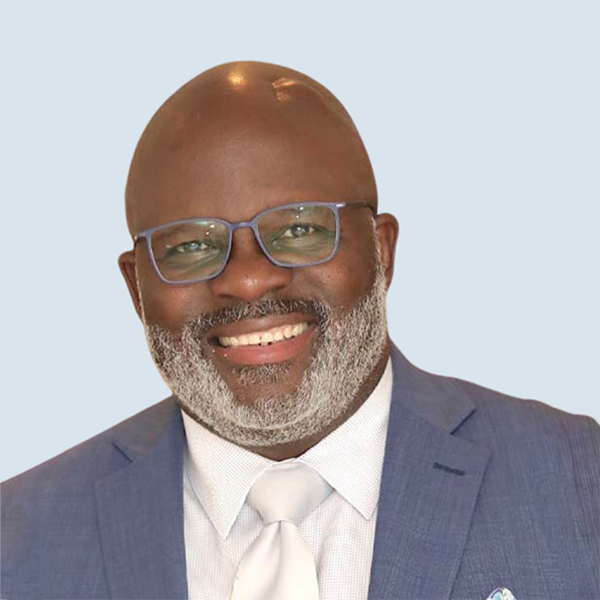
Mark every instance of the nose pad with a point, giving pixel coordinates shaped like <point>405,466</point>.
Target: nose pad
<point>249,274</point>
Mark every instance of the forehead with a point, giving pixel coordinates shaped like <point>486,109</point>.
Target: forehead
<point>233,162</point>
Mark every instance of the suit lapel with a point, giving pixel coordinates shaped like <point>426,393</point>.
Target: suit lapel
<point>430,482</point>
<point>140,512</point>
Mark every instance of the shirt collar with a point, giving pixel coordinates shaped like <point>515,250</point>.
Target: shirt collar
<point>350,459</point>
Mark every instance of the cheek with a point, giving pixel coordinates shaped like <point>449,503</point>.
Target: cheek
<point>345,279</point>
<point>169,306</point>
<point>355,259</point>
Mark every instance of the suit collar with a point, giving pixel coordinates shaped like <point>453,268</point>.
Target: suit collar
<point>436,400</point>
<point>136,436</point>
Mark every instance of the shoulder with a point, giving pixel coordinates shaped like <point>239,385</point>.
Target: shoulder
<point>553,454</point>
<point>544,472</point>
<point>56,500</point>
<point>478,413</point>
<point>517,419</point>
<point>73,472</point>
<point>523,435</point>
<point>49,513</point>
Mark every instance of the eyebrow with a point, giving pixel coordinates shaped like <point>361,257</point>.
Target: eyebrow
<point>176,227</point>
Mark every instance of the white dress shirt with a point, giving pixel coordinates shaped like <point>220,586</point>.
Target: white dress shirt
<point>219,526</point>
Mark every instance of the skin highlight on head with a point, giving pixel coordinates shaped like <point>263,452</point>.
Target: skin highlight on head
<point>236,140</point>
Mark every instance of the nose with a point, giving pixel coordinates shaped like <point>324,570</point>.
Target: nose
<point>249,274</point>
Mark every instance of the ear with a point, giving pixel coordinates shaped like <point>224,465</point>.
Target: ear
<point>387,234</point>
<point>128,269</point>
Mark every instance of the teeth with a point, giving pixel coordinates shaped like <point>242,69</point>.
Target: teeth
<point>264,338</point>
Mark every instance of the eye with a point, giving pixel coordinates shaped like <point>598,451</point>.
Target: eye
<point>190,247</point>
<point>298,231</point>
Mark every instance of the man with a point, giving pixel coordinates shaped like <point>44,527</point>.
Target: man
<point>259,270</point>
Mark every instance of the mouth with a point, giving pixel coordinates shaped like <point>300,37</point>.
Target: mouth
<point>263,338</point>
<point>260,341</point>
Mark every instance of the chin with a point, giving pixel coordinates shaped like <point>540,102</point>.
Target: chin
<point>252,382</point>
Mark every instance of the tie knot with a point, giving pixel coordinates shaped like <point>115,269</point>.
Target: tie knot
<point>288,492</point>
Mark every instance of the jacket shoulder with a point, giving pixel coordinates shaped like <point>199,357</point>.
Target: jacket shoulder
<point>554,452</point>
<point>516,418</point>
<point>56,499</point>
<point>92,458</point>
<point>62,488</point>
<point>49,519</point>
<point>547,460</point>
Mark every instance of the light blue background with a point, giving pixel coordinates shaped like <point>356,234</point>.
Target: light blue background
<point>482,123</point>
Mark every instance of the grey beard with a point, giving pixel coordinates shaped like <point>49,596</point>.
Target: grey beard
<point>347,351</point>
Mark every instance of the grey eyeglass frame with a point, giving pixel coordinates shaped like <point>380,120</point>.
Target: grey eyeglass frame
<point>253,224</point>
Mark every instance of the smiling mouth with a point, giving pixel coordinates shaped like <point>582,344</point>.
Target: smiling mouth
<point>266,337</point>
<point>268,345</point>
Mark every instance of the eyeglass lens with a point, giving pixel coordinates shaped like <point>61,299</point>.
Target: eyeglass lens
<point>293,236</point>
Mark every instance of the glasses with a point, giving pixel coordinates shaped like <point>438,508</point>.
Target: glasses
<point>292,235</point>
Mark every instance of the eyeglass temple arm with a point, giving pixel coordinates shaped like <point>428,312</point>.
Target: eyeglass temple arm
<point>358,205</point>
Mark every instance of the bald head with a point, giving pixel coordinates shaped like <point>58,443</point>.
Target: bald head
<point>245,136</point>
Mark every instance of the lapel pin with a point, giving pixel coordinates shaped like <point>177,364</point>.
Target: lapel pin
<point>501,594</point>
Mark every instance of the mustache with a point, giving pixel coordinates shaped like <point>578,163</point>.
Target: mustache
<point>255,310</point>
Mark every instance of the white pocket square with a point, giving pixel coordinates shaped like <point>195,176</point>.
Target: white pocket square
<point>501,594</point>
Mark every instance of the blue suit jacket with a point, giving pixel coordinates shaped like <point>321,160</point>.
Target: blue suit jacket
<point>479,490</point>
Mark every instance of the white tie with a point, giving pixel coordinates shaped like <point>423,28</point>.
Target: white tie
<point>279,564</point>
